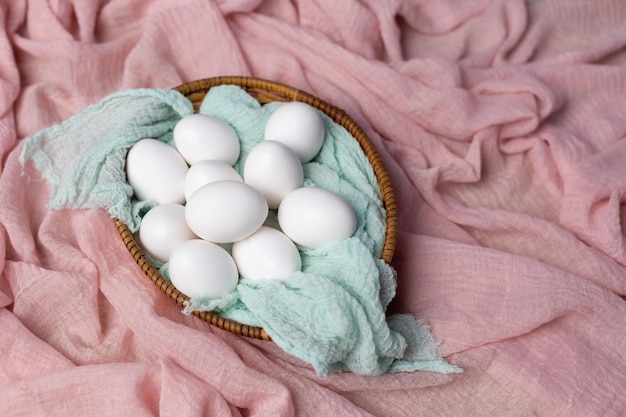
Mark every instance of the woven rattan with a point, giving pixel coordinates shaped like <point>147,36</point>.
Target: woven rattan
<point>265,91</point>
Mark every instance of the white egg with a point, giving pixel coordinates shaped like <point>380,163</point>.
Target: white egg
<point>200,136</point>
<point>266,254</point>
<point>162,229</point>
<point>199,268</point>
<point>274,170</point>
<point>314,217</point>
<point>299,126</point>
<point>225,211</point>
<point>208,171</point>
<point>156,172</point>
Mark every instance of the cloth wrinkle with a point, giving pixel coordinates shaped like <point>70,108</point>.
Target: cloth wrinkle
<point>501,125</point>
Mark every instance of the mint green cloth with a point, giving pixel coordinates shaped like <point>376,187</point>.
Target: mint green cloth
<point>332,313</point>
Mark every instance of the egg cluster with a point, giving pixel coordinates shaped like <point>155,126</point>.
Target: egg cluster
<point>204,203</point>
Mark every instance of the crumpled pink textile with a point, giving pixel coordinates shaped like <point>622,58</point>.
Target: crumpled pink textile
<point>502,124</point>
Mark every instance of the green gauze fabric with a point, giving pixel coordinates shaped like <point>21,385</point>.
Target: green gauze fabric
<point>332,313</point>
<point>83,158</point>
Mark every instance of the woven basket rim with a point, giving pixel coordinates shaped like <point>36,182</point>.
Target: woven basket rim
<point>266,91</point>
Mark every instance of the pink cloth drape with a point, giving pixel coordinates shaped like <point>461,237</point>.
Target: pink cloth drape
<point>502,124</point>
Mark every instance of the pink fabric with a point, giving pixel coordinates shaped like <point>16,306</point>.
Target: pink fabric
<point>502,124</point>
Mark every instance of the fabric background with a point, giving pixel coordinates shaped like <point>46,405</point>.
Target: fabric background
<point>501,124</point>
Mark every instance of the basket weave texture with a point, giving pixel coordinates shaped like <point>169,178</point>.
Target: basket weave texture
<point>265,91</point>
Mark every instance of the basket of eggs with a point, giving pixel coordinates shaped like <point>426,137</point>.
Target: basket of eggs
<point>209,247</point>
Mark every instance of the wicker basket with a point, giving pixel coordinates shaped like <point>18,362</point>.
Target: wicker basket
<point>267,91</point>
